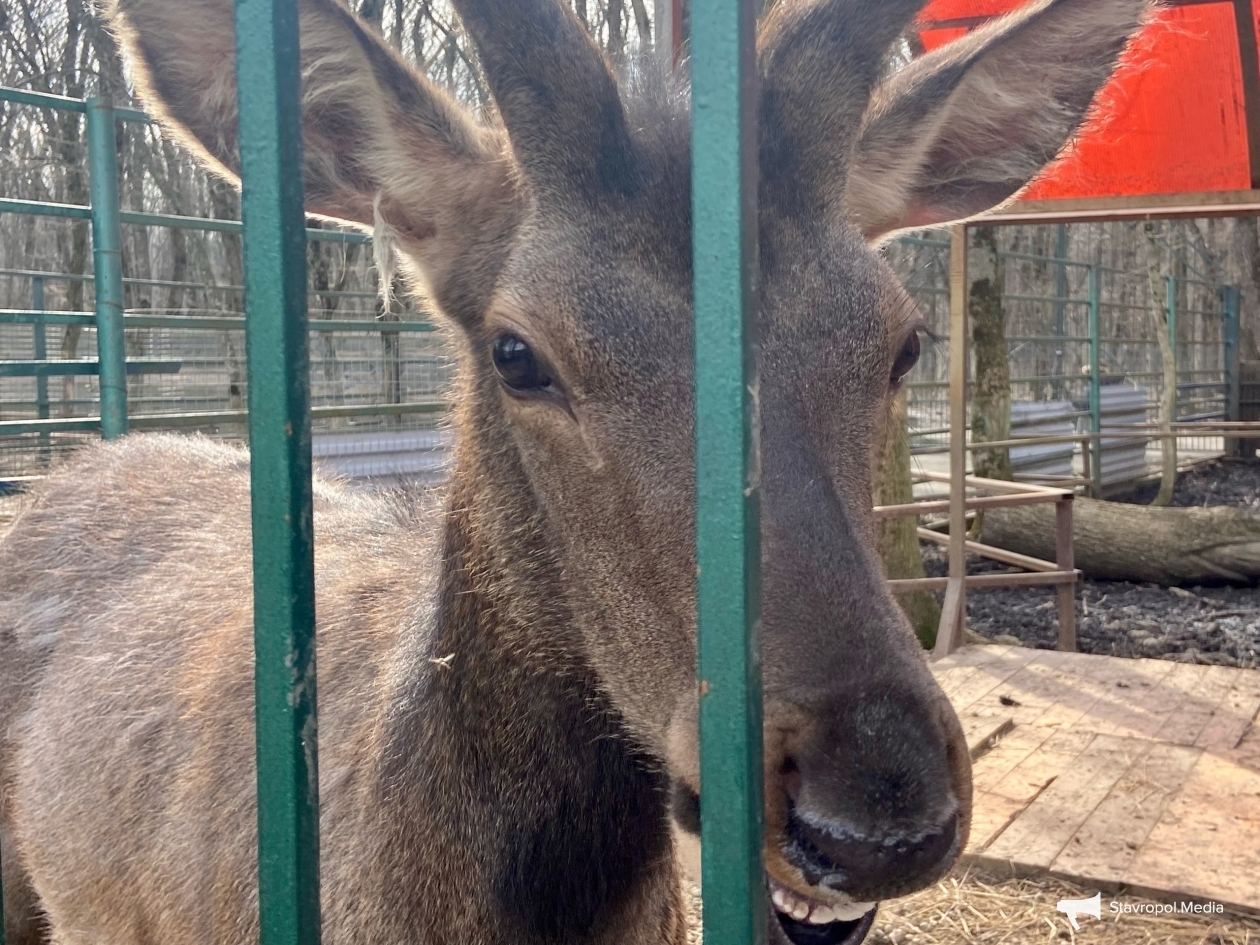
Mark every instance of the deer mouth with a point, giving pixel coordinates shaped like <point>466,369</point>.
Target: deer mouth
<point>809,921</point>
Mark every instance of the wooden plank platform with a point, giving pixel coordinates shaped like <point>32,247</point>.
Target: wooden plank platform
<point>1116,774</point>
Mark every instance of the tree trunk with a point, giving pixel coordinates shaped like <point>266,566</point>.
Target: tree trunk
<point>896,539</point>
<point>1168,360</point>
<point>991,397</point>
<point>1118,542</point>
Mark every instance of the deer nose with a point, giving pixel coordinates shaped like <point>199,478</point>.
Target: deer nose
<point>868,867</point>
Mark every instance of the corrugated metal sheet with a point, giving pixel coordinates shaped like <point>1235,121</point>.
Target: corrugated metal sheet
<point>1123,406</point>
<point>1053,418</point>
<point>382,458</point>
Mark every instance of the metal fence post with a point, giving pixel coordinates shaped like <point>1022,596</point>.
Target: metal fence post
<point>40,338</point>
<point>1170,300</point>
<point>1095,381</point>
<point>724,195</point>
<point>107,262</point>
<point>1230,299</point>
<point>278,358</point>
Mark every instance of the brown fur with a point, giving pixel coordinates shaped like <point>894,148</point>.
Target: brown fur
<point>507,665</point>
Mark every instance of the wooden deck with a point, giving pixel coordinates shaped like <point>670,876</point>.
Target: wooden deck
<point>1118,774</point>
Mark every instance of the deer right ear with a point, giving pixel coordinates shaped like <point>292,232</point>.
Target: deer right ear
<point>964,128</point>
<point>377,136</point>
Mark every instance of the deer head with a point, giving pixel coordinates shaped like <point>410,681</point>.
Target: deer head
<point>553,239</point>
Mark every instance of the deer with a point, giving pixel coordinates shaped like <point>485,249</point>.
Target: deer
<point>507,662</point>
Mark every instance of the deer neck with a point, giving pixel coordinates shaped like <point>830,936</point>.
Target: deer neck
<point>503,754</point>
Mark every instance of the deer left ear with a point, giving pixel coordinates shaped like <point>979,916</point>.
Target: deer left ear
<point>963,129</point>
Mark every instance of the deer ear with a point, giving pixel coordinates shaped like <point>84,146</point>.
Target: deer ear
<point>381,144</point>
<point>963,129</point>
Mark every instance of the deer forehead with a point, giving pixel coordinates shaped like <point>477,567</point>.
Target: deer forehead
<point>611,295</point>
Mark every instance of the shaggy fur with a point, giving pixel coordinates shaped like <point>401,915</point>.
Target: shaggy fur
<point>507,665</point>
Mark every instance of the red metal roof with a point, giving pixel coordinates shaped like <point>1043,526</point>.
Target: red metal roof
<point>1174,119</point>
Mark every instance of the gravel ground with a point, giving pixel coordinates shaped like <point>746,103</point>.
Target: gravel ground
<point>1201,624</point>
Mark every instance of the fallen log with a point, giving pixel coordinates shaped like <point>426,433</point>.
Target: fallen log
<point>1118,542</point>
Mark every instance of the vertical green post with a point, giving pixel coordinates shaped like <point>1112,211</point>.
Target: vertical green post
<point>1095,366</point>
<point>280,443</point>
<point>40,339</point>
<point>724,203</point>
<point>107,261</point>
<point>1170,297</point>
<point>1230,307</point>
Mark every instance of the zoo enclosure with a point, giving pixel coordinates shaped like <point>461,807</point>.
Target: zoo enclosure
<point>1079,334</point>
<point>379,374</point>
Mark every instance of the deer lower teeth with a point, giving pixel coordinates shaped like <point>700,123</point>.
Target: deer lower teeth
<point>803,909</point>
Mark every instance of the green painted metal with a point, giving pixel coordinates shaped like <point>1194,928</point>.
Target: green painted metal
<point>1231,305</point>
<point>39,338</point>
<point>269,97</point>
<point>209,322</point>
<point>1170,301</point>
<point>107,264</point>
<point>1095,379</point>
<point>44,369</point>
<point>40,208</point>
<point>61,102</point>
<point>136,218</point>
<point>162,421</point>
<point>724,194</point>
<point>56,425</point>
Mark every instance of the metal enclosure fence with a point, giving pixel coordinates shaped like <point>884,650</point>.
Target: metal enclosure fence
<point>1075,329</point>
<point>182,365</point>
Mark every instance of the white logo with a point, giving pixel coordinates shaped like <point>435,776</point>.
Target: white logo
<point>1074,907</point>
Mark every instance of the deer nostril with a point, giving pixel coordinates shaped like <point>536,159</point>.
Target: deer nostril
<point>790,779</point>
<point>868,868</point>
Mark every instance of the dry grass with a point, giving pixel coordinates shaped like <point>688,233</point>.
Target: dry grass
<point>974,909</point>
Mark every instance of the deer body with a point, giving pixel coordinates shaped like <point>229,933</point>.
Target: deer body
<point>424,676</point>
<point>507,696</point>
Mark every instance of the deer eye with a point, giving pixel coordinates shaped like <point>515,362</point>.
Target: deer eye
<point>907,358</point>
<point>518,368</point>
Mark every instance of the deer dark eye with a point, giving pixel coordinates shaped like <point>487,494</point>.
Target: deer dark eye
<point>907,358</point>
<point>518,368</point>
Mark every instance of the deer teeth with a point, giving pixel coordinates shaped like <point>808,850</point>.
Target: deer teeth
<point>821,915</point>
<point>813,911</point>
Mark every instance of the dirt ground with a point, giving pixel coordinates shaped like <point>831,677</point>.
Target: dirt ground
<point>1200,624</point>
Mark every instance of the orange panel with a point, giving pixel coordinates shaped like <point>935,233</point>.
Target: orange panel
<point>942,10</point>
<point>1171,121</point>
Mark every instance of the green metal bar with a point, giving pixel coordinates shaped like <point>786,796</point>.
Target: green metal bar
<point>1231,306</point>
<point>163,421</point>
<point>43,369</point>
<point>14,317</point>
<point>269,98</point>
<point>107,263</point>
<point>1095,367</point>
<point>59,425</point>
<point>724,195</point>
<point>170,220</point>
<point>208,322</point>
<point>65,104</point>
<point>42,406</point>
<point>39,208</point>
<point>1170,300</point>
